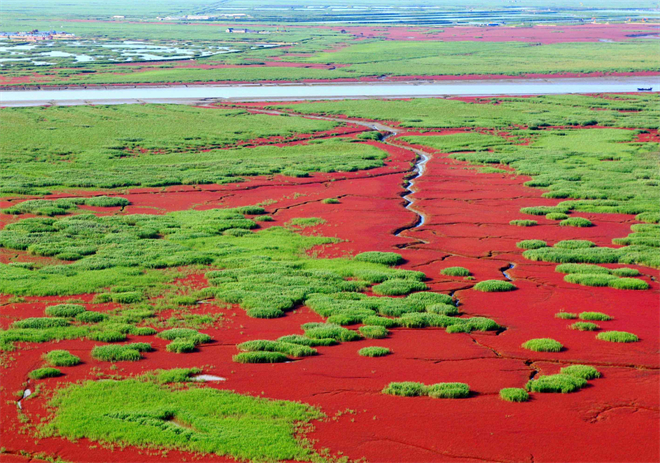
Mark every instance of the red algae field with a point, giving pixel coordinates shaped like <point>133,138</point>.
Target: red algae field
<point>470,279</point>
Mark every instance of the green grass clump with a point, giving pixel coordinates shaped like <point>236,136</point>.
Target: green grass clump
<point>556,216</point>
<point>436,391</point>
<point>492,286</point>
<point>628,283</point>
<point>427,298</point>
<point>531,244</point>
<point>91,317</point>
<point>176,375</point>
<point>107,336</point>
<point>523,223</point>
<point>377,257</point>
<point>584,326</point>
<point>37,323</point>
<point>581,371</point>
<point>594,316</point>
<point>263,218</point>
<point>540,210</point>
<point>264,312</point>
<point>290,349</point>
<point>443,309</point>
<point>304,222</point>
<point>455,271</point>
<point>330,201</point>
<point>61,358</point>
<point>41,373</point>
<point>185,333</point>
<point>398,287</point>
<point>305,341</point>
<point>566,315</point>
<point>543,345</point>
<point>576,222</point>
<point>617,336</point>
<point>556,383</point>
<point>586,279</point>
<point>135,412</point>
<point>373,332</point>
<point>625,272</point>
<point>119,353</point>
<point>582,268</point>
<point>405,389</point>
<point>181,346</point>
<point>374,351</point>
<point>64,310</point>
<point>448,390</point>
<point>514,394</point>
<point>260,357</point>
<point>329,331</point>
<point>574,244</point>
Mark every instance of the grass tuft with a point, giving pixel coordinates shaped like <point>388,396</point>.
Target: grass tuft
<point>543,345</point>
<point>594,316</point>
<point>584,326</point>
<point>377,257</point>
<point>576,222</point>
<point>628,283</point>
<point>556,383</point>
<point>581,371</point>
<point>373,331</point>
<point>531,244</point>
<point>617,336</point>
<point>47,372</point>
<point>514,394</point>
<point>523,223</point>
<point>260,357</point>
<point>455,271</point>
<point>64,310</point>
<point>492,286</point>
<point>61,358</point>
<point>566,315</point>
<point>374,351</point>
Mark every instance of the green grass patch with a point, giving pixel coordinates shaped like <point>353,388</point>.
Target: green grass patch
<point>523,223</point>
<point>556,216</point>
<point>628,283</point>
<point>584,326</point>
<point>455,271</point>
<point>374,351</point>
<point>330,201</point>
<point>594,316</point>
<point>581,371</point>
<point>47,372</point>
<point>61,358</point>
<point>563,383</point>
<point>373,331</point>
<point>576,222</point>
<point>543,345</point>
<point>617,336</point>
<point>531,244</point>
<point>205,420</point>
<point>586,279</point>
<point>377,257</point>
<point>290,349</point>
<point>120,353</point>
<point>514,394</point>
<point>260,357</point>
<point>494,286</point>
<point>436,391</point>
<point>566,315</point>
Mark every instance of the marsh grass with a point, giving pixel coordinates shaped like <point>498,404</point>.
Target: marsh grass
<point>119,353</point>
<point>531,244</point>
<point>435,391</point>
<point>514,394</point>
<point>377,257</point>
<point>543,345</point>
<point>617,336</point>
<point>576,222</point>
<point>493,286</point>
<point>563,383</point>
<point>374,351</point>
<point>584,326</point>
<point>455,271</point>
<point>61,358</point>
<point>581,371</point>
<point>46,372</point>
<point>594,316</point>
<point>373,331</point>
<point>523,223</point>
<point>566,315</point>
<point>260,357</point>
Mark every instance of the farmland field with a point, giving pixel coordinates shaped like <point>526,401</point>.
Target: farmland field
<point>450,279</point>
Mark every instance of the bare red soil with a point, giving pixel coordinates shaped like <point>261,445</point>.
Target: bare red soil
<point>467,213</point>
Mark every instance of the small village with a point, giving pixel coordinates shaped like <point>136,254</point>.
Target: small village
<point>37,36</point>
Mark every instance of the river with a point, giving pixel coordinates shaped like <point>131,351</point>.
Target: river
<point>294,91</point>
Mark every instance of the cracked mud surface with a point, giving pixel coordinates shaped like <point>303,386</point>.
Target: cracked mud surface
<point>466,224</point>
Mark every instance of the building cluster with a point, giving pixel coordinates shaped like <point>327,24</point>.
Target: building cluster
<point>204,17</point>
<point>232,30</point>
<point>37,36</point>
